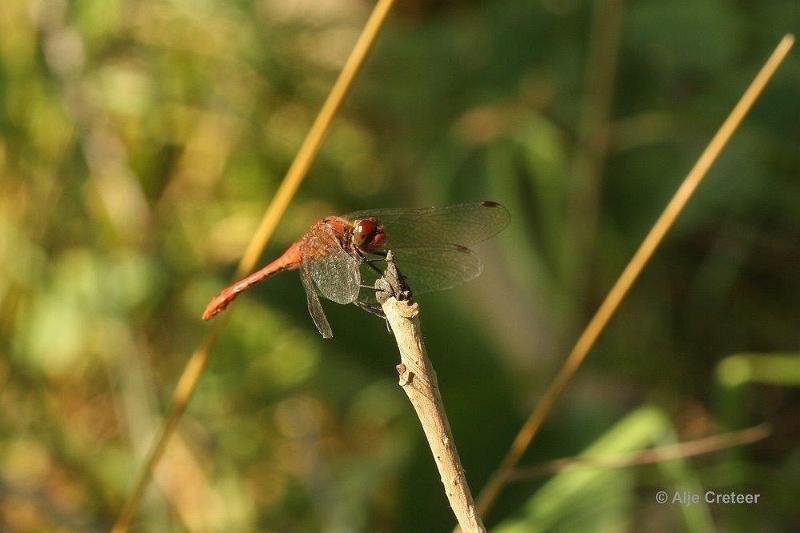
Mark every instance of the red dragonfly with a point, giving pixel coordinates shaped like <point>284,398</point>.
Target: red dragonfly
<point>429,246</point>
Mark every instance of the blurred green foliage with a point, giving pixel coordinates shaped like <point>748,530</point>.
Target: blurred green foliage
<point>141,140</point>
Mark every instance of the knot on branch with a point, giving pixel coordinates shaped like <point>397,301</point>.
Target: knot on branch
<point>406,376</point>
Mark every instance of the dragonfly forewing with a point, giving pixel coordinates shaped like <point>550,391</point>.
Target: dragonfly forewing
<point>464,224</point>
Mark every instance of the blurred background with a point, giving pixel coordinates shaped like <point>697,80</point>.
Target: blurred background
<point>140,142</point>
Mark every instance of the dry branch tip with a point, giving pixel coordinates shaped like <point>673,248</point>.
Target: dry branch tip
<point>418,381</point>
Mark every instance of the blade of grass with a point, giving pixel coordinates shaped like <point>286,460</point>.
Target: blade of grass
<point>291,182</point>
<point>592,145</point>
<point>637,263</point>
<point>782,369</point>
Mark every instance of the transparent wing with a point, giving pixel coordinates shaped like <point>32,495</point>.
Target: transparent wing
<point>314,305</point>
<point>429,268</point>
<point>334,271</point>
<point>464,224</point>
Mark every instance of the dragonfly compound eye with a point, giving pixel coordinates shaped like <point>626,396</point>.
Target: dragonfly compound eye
<point>368,234</point>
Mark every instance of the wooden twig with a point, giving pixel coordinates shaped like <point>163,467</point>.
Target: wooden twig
<point>418,380</point>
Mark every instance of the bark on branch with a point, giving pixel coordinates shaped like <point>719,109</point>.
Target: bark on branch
<point>418,380</point>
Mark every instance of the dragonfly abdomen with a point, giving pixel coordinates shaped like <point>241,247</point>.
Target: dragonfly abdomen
<point>289,260</point>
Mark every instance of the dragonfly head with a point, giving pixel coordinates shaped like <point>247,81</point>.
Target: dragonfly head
<point>368,234</point>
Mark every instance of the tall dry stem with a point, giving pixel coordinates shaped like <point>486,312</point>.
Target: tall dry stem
<point>629,275</point>
<point>291,182</point>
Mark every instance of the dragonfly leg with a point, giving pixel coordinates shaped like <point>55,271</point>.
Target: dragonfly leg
<point>370,308</point>
<point>374,260</point>
<point>373,308</point>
